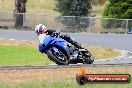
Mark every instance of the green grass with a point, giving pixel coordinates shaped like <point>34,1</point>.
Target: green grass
<point>21,55</point>
<point>19,52</point>
<point>27,55</point>
<point>63,84</point>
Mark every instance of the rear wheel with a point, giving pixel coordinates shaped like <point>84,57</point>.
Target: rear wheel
<point>59,57</point>
<point>88,58</point>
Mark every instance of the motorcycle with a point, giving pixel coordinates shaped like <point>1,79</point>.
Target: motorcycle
<point>62,52</point>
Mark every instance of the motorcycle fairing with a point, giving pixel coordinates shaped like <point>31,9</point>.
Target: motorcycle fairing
<point>58,42</point>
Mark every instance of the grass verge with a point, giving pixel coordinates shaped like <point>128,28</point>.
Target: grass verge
<point>18,52</point>
<point>21,55</point>
<point>58,78</point>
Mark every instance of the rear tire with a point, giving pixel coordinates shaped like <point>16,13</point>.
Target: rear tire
<point>88,58</point>
<point>55,59</point>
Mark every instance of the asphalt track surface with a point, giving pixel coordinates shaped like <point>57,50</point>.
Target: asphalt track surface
<point>115,41</point>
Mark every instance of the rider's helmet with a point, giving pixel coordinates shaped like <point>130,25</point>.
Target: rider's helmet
<point>40,29</point>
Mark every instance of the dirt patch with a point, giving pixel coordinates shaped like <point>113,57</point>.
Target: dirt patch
<point>18,42</point>
<point>25,75</point>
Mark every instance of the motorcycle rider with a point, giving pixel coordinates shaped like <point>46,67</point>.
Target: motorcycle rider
<point>41,31</point>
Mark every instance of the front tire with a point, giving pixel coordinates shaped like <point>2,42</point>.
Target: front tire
<point>58,59</point>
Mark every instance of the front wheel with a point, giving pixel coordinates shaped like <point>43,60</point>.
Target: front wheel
<point>58,56</point>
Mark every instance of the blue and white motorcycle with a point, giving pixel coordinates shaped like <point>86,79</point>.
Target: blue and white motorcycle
<point>62,52</point>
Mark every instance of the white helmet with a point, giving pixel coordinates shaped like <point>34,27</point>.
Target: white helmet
<point>40,29</point>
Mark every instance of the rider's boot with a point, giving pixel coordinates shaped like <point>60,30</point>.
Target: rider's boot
<point>75,60</point>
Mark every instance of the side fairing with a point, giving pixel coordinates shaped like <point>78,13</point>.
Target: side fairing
<point>61,43</point>
<point>47,40</point>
